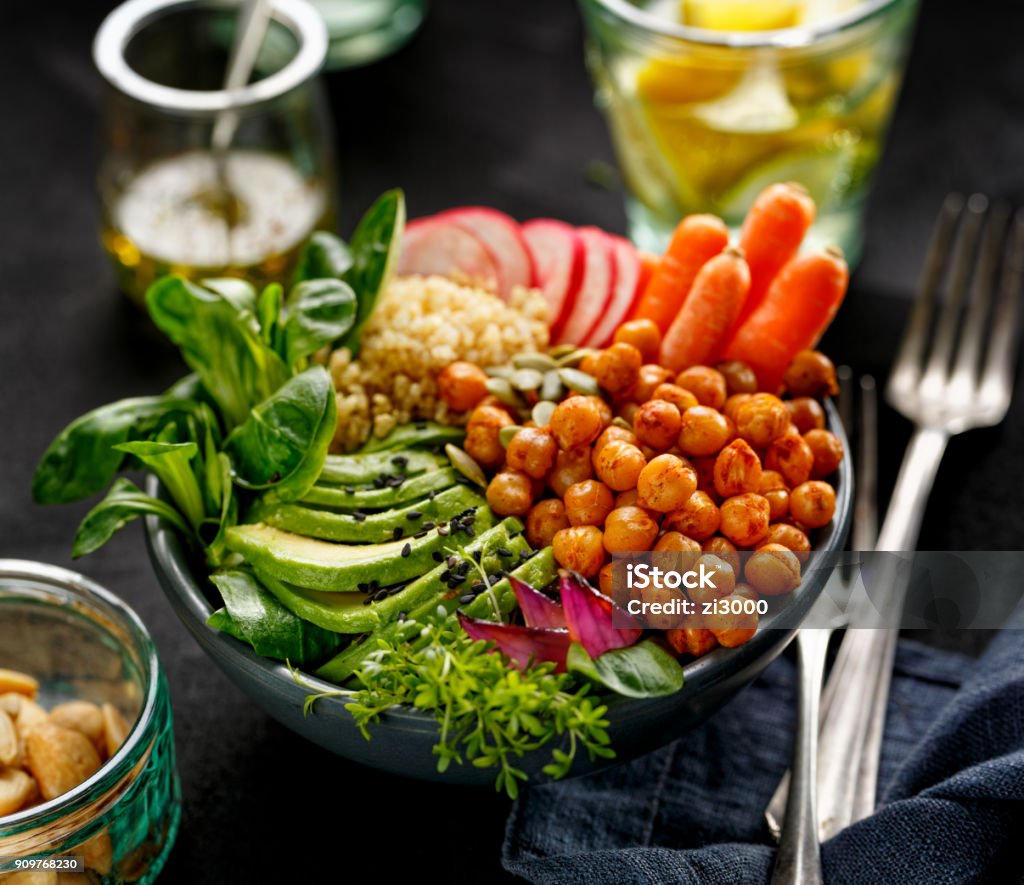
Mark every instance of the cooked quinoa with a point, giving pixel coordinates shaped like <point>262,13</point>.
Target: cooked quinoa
<point>419,326</point>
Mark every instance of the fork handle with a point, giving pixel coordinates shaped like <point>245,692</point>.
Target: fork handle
<point>902,523</point>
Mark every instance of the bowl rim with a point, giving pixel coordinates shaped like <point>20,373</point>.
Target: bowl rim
<point>169,557</point>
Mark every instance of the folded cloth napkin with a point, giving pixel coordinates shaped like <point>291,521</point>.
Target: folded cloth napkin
<point>951,789</point>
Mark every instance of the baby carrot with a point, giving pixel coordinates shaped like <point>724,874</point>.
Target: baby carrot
<point>771,235</point>
<point>648,264</point>
<point>799,305</point>
<point>696,239</point>
<point>701,329</point>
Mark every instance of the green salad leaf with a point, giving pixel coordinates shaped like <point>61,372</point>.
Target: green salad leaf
<point>323,256</point>
<point>317,313</point>
<point>644,670</point>
<point>268,313</point>
<point>171,462</point>
<point>239,293</point>
<point>123,503</point>
<point>255,616</point>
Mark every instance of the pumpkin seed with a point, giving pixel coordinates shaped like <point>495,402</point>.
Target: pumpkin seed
<point>526,379</point>
<point>576,357</point>
<point>499,372</point>
<point>542,413</point>
<point>579,381</point>
<point>560,350</point>
<point>619,421</point>
<point>551,389</point>
<point>506,434</point>
<point>465,465</point>
<point>502,389</point>
<point>539,361</point>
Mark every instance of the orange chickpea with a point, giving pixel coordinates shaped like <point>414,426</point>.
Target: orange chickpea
<point>790,537</point>
<point>631,498</point>
<point>510,493</point>
<point>694,641</point>
<point>725,550</point>
<point>532,450</point>
<point>657,424</point>
<point>705,470</point>
<point>571,465</point>
<point>579,420</point>
<point>703,431</point>
<point>813,503</point>
<point>811,374</point>
<point>745,519</point>
<point>792,457</point>
<point>665,484</point>
<point>698,518</point>
<point>773,487</point>
<point>722,577</point>
<point>605,578</point>
<point>462,385</point>
<point>733,403</point>
<point>482,443</point>
<point>827,450</point>
<point>628,530</point>
<point>730,629</point>
<point>580,549</point>
<point>644,335</point>
<point>762,419</point>
<point>739,377</point>
<point>614,431</point>
<point>588,502</point>
<point>772,570</point>
<point>806,414</point>
<point>652,376</point>
<point>680,397</point>
<point>737,469</point>
<point>618,465</point>
<point>676,542</point>
<point>544,520</point>
<point>705,383</point>
<point>617,369</point>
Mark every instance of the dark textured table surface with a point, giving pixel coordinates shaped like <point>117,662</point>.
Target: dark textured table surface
<point>490,104</point>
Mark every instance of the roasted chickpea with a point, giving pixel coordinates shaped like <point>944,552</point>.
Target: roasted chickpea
<point>644,335</point>
<point>665,484</point>
<point>482,443</point>
<point>731,629</point>
<point>579,420</point>
<point>725,550</point>
<point>737,469</point>
<point>694,641</point>
<point>618,465</point>
<point>827,451</point>
<point>532,450</point>
<point>813,503</point>
<point>745,519</point>
<point>739,377</point>
<point>627,411</point>
<point>462,385</point>
<point>705,383</point>
<point>680,397</point>
<point>510,493</point>
<point>703,431</point>
<point>698,518</point>
<point>628,530</point>
<point>773,487</point>
<point>792,457</point>
<point>806,413</point>
<point>658,592</point>
<point>571,465</point>
<point>657,423</point>
<point>762,419</point>
<point>790,537</point>
<point>721,579</point>
<point>651,377</point>
<point>588,502</point>
<point>631,498</point>
<point>811,374</point>
<point>617,369</point>
<point>733,403</point>
<point>772,570</point>
<point>614,431</point>
<point>580,549</point>
<point>676,542</point>
<point>705,470</point>
<point>605,578</point>
<point>544,520</point>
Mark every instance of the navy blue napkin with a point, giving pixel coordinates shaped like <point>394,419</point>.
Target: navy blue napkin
<point>951,784</point>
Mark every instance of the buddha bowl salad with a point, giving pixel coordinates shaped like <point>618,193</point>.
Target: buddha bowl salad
<point>403,486</point>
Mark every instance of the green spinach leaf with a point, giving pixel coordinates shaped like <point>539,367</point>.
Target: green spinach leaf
<point>268,312</point>
<point>644,670</point>
<point>258,618</point>
<point>171,462</point>
<point>317,312</point>
<point>123,503</point>
<point>324,255</point>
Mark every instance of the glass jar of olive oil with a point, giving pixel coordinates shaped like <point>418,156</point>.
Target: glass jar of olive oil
<point>170,202</point>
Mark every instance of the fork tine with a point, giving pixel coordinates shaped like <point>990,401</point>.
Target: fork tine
<point>906,369</point>
<point>997,379</point>
<point>937,370</point>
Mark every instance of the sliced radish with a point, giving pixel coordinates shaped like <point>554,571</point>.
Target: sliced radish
<point>557,252</point>
<point>624,293</point>
<point>594,292</point>
<point>502,237</point>
<point>436,246</point>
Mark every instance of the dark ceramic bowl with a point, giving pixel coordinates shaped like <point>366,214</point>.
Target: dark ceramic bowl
<point>402,742</point>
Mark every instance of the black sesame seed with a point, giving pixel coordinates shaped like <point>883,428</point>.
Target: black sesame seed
<point>397,533</point>
<point>420,425</point>
<point>402,616</point>
<point>466,598</point>
<point>381,595</point>
<point>442,530</point>
<point>428,525</point>
<point>368,600</point>
<point>504,552</point>
<point>407,549</point>
<point>350,490</point>
<point>437,556</point>
<point>359,516</point>
<point>363,587</point>
<point>400,461</point>
<point>478,555</point>
<point>431,495</point>
<point>478,587</point>
<point>469,531</point>
<point>413,515</point>
<point>374,584</point>
<point>395,481</point>
<point>445,575</point>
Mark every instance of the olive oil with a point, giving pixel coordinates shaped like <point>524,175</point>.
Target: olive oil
<point>180,216</point>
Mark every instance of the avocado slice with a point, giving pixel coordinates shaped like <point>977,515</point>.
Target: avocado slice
<point>418,433</point>
<point>375,527</point>
<point>351,499</point>
<point>362,469</point>
<point>324,565</point>
<point>351,613</point>
<point>538,571</point>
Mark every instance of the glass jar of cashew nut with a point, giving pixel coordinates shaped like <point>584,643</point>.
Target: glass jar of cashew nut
<point>88,787</point>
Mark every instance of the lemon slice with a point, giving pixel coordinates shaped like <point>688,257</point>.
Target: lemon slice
<point>758,104</point>
<point>742,15</point>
